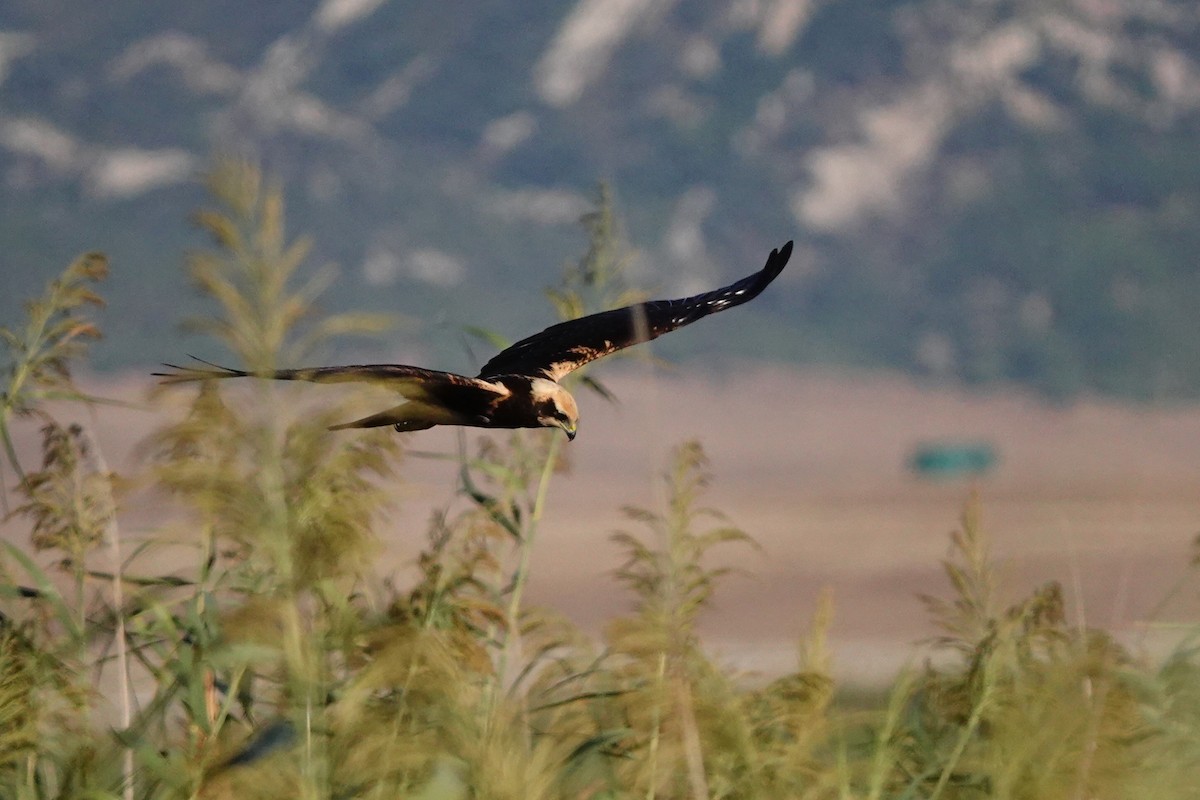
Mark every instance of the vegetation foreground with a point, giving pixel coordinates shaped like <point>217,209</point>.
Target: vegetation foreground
<point>276,663</point>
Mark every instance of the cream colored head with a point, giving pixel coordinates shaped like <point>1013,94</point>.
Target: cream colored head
<point>555,406</point>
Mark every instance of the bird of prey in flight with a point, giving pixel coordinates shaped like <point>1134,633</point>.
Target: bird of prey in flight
<point>519,387</point>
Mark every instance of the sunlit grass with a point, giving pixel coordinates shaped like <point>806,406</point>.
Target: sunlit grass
<point>278,663</point>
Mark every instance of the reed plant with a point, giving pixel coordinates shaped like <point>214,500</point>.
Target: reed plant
<point>247,647</point>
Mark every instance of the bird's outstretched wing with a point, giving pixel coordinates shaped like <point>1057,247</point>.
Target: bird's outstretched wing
<point>569,345</point>
<point>413,383</point>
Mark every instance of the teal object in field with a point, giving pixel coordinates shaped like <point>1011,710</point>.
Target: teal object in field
<point>949,460</point>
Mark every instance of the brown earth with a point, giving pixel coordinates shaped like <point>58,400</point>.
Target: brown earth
<point>1100,496</point>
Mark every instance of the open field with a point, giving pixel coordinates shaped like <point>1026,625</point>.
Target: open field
<point>1103,497</point>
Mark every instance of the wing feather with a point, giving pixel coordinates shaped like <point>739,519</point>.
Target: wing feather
<point>567,346</point>
<point>414,383</point>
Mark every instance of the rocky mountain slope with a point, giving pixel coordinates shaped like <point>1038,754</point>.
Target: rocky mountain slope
<point>981,191</point>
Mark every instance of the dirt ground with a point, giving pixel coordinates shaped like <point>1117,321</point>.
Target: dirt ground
<point>1102,497</point>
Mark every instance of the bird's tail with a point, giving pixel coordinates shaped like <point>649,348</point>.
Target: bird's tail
<point>402,417</point>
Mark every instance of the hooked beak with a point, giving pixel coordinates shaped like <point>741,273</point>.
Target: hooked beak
<point>569,429</point>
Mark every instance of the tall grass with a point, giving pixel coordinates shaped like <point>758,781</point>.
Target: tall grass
<point>276,662</point>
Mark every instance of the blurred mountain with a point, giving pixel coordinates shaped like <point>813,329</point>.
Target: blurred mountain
<point>980,191</point>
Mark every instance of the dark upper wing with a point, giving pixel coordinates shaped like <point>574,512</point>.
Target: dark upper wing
<point>569,345</point>
<point>415,383</point>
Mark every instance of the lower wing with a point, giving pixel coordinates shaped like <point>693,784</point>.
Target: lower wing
<point>414,383</point>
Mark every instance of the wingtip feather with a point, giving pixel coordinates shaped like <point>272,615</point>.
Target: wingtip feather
<point>186,374</point>
<point>779,258</point>
<point>776,261</point>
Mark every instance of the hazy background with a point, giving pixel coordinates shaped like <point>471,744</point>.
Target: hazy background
<point>981,191</point>
<point>994,206</point>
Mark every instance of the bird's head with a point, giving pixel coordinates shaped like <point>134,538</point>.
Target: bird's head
<point>555,406</point>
